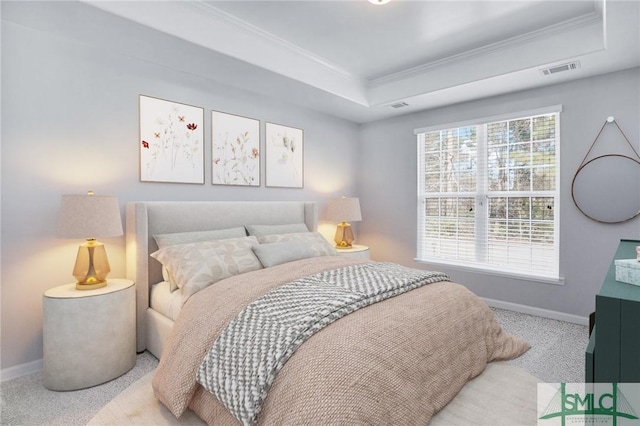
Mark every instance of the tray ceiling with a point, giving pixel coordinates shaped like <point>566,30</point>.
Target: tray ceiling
<point>354,59</point>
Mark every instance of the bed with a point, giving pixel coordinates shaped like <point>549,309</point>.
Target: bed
<point>396,361</point>
<point>144,219</point>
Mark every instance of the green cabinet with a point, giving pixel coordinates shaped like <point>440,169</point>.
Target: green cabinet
<point>613,353</point>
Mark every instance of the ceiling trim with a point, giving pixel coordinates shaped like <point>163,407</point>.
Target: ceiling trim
<point>365,91</point>
<point>583,21</point>
<point>299,75</point>
<point>246,27</point>
<point>199,23</point>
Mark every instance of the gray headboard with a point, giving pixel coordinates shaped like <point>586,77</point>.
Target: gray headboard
<point>144,219</point>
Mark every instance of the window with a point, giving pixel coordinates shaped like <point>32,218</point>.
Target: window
<point>488,194</point>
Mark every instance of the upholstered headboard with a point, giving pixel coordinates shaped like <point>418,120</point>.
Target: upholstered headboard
<point>148,218</point>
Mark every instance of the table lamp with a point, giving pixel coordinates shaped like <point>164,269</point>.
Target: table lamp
<point>90,216</point>
<point>344,210</point>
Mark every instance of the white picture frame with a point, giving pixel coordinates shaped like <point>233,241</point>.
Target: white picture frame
<point>171,141</point>
<point>235,150</point>
<point>284,156</point>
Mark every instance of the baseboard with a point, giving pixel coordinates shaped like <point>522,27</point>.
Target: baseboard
<point>539,312</point>
<point>21,370</point>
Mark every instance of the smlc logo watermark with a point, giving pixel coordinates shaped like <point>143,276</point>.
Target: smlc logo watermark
<point>616,404</point>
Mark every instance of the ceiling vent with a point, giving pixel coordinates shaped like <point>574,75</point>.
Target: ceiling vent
<point>399,105</point>
<point>560,68</point>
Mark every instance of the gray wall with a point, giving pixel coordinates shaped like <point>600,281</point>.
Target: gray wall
<point>70,123</point>
<point>387,186</point>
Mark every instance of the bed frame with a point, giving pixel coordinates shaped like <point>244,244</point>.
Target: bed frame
<point>144,219</point>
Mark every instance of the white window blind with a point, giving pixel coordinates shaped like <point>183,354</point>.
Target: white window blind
<point>488,194</point>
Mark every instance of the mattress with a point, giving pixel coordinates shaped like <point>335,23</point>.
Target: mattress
<point>165,301</point>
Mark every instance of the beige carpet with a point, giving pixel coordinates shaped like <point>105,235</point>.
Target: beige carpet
<point>501,395</point>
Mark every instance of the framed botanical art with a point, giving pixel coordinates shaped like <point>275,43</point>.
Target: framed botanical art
<point>284,156</point>
<point>235,150</point>
<point>171,141</point>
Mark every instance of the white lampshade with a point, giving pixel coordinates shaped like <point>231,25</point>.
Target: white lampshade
<point>90,216</point>
<point>344,209</point>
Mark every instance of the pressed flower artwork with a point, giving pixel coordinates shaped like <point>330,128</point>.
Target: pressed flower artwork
<point>235,153</point>
<point>171,141</point>
<point>284,156</point>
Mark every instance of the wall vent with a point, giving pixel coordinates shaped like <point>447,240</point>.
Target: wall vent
<point>560,68</point>
<point>399,105</point>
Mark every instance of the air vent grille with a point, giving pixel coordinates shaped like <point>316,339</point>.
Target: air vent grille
<point>561,68</point>
<point>399,105</point>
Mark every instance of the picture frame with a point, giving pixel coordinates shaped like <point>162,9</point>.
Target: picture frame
<point>235,150</point>
<point>171,141</point>
<point>284,156</point>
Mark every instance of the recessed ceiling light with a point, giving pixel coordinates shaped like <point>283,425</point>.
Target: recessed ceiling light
<point>379,2</point>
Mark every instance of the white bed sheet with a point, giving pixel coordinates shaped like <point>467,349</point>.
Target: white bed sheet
<point>165,301</point>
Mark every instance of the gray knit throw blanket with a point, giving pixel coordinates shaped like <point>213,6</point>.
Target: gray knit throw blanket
<point>244,360</point>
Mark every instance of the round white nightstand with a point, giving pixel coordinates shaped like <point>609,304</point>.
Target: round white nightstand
<point>357,251</point>
<point>89,336</point>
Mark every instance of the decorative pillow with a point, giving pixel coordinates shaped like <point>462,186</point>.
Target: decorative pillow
<point>276,253</point>
<point>262,230</point>
<point>165,240</point>
<point>318,244</point>
<point>195,266</point>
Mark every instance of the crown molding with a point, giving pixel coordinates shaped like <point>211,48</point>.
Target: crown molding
<point>583,21</point>
<point>238,24</point>
<point>259,57</point>
<point>203,24</point>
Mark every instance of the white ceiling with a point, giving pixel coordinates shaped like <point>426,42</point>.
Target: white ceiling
<point>370,42</point>
<point>354,59</point>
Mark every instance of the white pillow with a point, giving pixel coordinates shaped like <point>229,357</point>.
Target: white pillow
<point>276,253</point>
<point>165,240</point>
<point>262,230</point>
<point>195,266</point>
<point>318,244</point>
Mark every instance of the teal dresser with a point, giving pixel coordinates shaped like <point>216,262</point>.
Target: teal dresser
<point>613,353</point>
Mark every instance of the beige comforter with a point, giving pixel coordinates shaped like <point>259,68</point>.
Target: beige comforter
<point>395,362</point>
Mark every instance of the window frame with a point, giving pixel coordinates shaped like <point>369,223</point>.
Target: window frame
<point>554,277</point>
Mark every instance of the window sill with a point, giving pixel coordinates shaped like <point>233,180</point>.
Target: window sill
<point>494,272</point>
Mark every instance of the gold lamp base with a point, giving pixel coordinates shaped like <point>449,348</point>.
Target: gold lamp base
<point>92,266</point>
<point>81,286</point>
<point>344,236</point>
